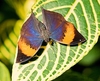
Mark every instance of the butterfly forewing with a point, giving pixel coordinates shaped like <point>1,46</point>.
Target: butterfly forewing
<point>29,41</point>
<point>61,30</point>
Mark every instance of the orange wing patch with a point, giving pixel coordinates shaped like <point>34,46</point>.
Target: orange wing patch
<point>26,49</point>
<point>69,33</point>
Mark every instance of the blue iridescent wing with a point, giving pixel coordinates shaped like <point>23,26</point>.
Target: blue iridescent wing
<point>29,41</point>
<point>60,29</point>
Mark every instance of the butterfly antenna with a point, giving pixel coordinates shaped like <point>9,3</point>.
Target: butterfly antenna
<point>31,10</point>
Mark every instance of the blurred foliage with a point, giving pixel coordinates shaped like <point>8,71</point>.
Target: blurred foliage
<point>3,70</point>
<point>12,15</point>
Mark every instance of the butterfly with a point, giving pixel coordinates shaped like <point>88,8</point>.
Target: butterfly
<point>54,27</point>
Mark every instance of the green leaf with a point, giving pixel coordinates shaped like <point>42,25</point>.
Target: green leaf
<point>73,76</point>
<point>4,73</point>
<point>56,59</point>
<point>92,57</point>
<point>7,41</point>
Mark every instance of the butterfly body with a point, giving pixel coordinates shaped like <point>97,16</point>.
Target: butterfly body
<point>54,27</point>
<point>44,32</point>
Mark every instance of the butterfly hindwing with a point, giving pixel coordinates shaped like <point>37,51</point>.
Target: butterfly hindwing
<point>29,41</point>
<point>61,30</point>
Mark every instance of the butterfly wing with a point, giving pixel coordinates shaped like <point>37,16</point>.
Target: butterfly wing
<point>61,30</point>
<point>29,41</point>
